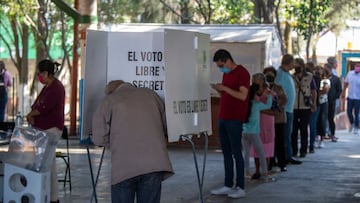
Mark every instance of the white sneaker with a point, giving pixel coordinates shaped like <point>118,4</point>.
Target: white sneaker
<point>237,193</point>
<point>318,144</point>
<point>222,191</point>
<point>355,131</point>
<point>321,145</point>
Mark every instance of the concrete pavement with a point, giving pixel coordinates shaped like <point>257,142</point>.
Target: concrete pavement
<point>330,175</point>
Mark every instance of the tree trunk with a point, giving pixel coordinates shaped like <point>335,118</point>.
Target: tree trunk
<point>287,38</point>
<point>278,26</point>
<point>257,10</point>
<point>184,11</point>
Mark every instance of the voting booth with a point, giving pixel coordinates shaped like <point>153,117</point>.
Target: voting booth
<point>174,63</point>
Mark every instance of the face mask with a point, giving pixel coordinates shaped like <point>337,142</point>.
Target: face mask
<point>270,78</point>
<point>40,78</point>
<point>225,69</point>
<point>254,87</point>
<point>357,69</point>
<point>297,70</point>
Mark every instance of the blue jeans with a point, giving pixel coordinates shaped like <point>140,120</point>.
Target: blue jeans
<point>353,106</point>
<point>312,123</point>
<point>147,189</point>
<point>288,131</point>
<point>3,102</point>
<point>230,134</point>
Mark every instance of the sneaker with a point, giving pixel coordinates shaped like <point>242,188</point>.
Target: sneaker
<point>355,131</point>
<point>237,193</point>
<point>321,145</point>
<point>267,179</point>
<point>222,191</point>
<point>351,128</point>
<point>311,151</point>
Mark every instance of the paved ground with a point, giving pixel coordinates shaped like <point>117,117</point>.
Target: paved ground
<point>330,175</point>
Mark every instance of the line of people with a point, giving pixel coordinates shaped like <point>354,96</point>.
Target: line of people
<point>266,119</point>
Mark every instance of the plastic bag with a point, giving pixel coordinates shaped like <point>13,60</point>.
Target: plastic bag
<point>32,149</point>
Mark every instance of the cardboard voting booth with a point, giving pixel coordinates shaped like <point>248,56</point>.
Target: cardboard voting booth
<point>174,63</point>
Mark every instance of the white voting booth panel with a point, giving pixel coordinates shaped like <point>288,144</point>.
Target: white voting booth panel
<point>187,74</point>
<point>253,46</point>
<point>36,189</point>
<point>173,63</point>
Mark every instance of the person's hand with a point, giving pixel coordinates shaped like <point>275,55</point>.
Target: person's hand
<point>30,119</point>
<point>313,108</point>
<point>342,95</point>
<point>220,87</point>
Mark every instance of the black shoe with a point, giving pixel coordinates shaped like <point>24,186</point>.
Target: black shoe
<point>294,161</point>
<point>311,151</point>
<point>255,176</point>
<point>302,155</point>
<point>283,169</point>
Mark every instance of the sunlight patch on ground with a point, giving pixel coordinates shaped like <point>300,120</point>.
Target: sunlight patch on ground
<point>354,156</point>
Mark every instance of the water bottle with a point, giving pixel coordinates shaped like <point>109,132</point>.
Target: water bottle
<point>18,120</point>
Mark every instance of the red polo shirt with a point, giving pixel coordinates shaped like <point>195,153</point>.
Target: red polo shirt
<point>232,108</point>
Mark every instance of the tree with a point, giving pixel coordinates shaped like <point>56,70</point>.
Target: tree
<point>19,30</point>
<point>264,11</point>
<point>310,19</point>
<point>212,12</point>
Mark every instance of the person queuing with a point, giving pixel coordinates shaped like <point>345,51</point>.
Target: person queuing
<point>352,83</point>
<point>233,109</point>
<point>139,158</point>
<point>251,133</point>
<point>280,117</point>
<point>310,67</point>
<point>305,103</point>
<point>333,96</point>
<point>285,79</point>
<point>323,106</point>
<point>47,112</point>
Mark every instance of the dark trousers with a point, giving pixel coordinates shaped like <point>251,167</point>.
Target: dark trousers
<point>331,115</point>
<point>146,188</point>
<point>230,135</point>
<point>3,102</point>
<point>300,122</point>
<point>280,144</point>
<point>322,119</point>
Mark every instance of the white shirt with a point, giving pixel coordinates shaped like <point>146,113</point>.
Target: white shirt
<point>353,79</point>
<point>323,98</point>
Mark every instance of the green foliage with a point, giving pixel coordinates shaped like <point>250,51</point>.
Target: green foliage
<point>341,11</point>
<point>310,16</point>
<point>119,11</point>
<point>232,12</point>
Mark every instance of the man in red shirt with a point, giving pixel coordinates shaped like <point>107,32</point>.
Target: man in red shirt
<point>232,114</point>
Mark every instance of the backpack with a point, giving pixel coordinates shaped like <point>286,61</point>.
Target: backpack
<point>2,86</point>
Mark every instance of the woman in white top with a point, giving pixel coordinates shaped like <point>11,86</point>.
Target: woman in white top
<point>323,105</point>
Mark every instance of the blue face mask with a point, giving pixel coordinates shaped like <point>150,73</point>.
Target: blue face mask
<point>225,69</point>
